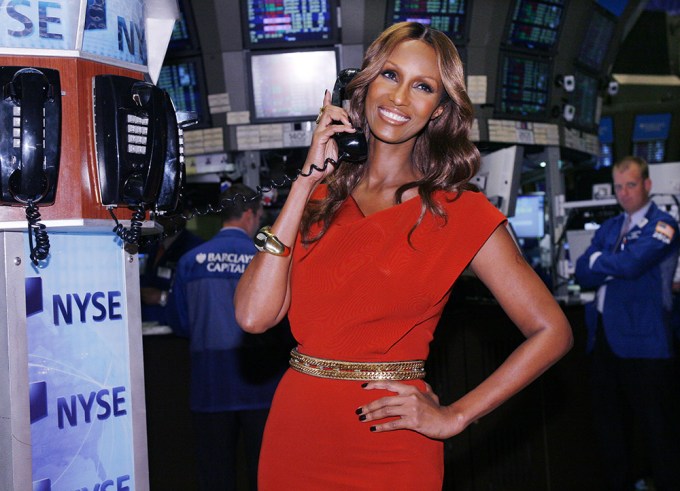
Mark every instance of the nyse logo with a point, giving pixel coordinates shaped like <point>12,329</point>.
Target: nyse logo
<point>102,404</point>
<point>96,306</point>
<point>78,408</point>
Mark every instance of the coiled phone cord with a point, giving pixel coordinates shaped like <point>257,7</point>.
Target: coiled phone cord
<point>130,235</point>
<point>41,249</point>
<point>259,192</point>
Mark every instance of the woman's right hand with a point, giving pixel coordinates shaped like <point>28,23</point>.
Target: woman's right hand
<point>332,119</point>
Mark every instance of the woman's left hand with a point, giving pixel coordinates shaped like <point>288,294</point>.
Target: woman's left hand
<point>414,410</point>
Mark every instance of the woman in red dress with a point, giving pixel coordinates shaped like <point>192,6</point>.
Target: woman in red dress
<point>362,259</point>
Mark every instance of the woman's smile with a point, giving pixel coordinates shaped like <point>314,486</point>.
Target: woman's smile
<point>393,116</point>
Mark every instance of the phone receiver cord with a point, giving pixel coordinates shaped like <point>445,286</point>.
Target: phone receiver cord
<point>260,190</point>
<point>131,235</point>
<point>134,234</point>
<point>41,249</point>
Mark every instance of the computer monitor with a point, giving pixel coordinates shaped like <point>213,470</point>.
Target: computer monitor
<point>451,17</point>
<point>499,177</point>
<point>291,24</point>
<point>184,81</point>
<point>596,40</point>
<point>184,36</point>
<point>528,222</point>
<point>523,88</point>
<point>534,25</point>
<point>650,133</point>
<point>585,99</point>
<point>289,85</point>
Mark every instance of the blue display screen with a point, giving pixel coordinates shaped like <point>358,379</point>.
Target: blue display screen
<point>529,219</point>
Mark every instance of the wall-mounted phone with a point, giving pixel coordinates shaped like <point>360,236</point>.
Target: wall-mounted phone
<point>352,147</point>
<point>131,139</point>
<point>138,144</point>
<point>30,139</point>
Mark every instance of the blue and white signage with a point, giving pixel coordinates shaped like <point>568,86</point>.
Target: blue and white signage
<point>79,367</point>
<point>650,127</point>
<point>39,24</point>
<point>111,29</point>
<point>115,29</point>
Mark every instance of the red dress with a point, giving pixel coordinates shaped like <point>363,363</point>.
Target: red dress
<point>362,293</point>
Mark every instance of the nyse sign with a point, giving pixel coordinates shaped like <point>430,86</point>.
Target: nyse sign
<point>39,24</point>
<point>81,385</point>
<point>111,28</point>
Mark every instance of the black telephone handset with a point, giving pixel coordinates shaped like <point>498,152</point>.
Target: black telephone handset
<point>30,145</point>
<point>131,139</point>
<point>352,147</point>
<point>30,134</point>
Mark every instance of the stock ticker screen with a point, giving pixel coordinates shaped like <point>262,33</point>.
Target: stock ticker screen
<point>524,86</point>
<point>289,23</point>
<point>535,25</point>
<point>448,16</point>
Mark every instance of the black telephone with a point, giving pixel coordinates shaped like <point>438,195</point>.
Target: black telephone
<point>30,144</point>
<point>139,148</point>
<point>352,147</point>
<point>132,135</point>
<point>30,115</point>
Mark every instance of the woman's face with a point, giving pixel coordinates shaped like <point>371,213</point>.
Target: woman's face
<point>405,96</point>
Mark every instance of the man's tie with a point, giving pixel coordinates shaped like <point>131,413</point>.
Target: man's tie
<point>623,232</point>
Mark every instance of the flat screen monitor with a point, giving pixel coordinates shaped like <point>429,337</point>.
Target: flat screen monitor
<point>498,177</point>
<point>288,24</point>
<point>585,99</point>
<point>652,127</point>
<point>184,34</point>
<point>289,85</point>
<point>652,151</point>
<point>184,81</point>
<point>535,25</point>
<point>528,222</point>
<point>449,16</point>
<point>523,86</point>
<point>596,40</point>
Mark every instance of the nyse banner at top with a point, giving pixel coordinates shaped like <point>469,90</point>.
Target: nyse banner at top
<point>115,29</point>
<point>111,29</point>
<point>39,24</point>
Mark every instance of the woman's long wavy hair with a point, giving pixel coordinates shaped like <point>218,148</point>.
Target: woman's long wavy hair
<point>443,154</point>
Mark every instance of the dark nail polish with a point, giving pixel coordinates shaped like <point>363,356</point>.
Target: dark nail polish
<point>372,428</point>
<point>364,385</point>
<point>362,417</point>
<point>359,411</point>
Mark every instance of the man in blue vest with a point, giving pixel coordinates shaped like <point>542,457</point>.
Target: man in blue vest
<point>233,374</point>
<point>630,263</point>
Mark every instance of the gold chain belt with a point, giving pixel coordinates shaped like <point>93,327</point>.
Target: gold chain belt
<point>356,370</point>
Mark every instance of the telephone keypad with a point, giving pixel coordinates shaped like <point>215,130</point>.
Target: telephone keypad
<point>137,129</point>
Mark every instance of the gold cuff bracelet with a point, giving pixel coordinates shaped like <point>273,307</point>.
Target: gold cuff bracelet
<point>266,241</point>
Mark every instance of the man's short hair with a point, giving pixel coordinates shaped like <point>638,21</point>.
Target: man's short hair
<point>237,199</point>
<point>623,164</point>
